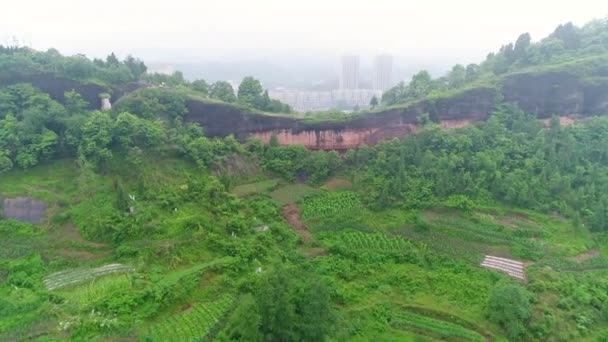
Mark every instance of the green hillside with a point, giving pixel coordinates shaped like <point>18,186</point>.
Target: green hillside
<point>153,231</point>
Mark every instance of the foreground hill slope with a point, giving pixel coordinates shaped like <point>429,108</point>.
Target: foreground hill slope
<point>136,224</point>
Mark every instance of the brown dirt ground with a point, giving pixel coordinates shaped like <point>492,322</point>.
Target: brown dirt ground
<point>292,215</point>
<point>66,234</point>
<point>591,254</point>
<point>338,183</point>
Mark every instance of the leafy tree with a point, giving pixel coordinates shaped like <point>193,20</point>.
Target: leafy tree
<point>509,307</point>
<point>420,85</point>
<point>201,86</point>
<point>129,131</point>
<point>96,138</point>
<point>276,307</point>
<point>472,72</point>
<point>394,95</point>
<point>521,46</point>
<point>315,312</point>
<point>250,92</point>
<point>74,103</point>
<point>568,34</point>
<point>78,67</point>
<point>5,162</point>
<point>223,91</point>
<point>373,102</point>
<point>457,77</point>
<point>136,66</point>
<point>245,323</point>
<point>111,60</point>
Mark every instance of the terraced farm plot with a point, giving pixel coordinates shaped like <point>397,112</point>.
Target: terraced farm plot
<point>254,188</point>
<point>292,193</point>
<point>88,295</point>
<point>471,238</point>
<point>330,203</point>
<point>372,242</point>
<point>194,325</point>
<point>173,278</point>
<point>435,327</point>
<point>81,275</point>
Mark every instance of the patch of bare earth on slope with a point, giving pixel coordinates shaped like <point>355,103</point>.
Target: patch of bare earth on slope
<point>588,255</point>
<point>70,244</point>
<point>292,216</point>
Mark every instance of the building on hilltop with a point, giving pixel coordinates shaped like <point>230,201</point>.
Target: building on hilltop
<point>306,101</point>
<point>161,68</point>
<point>349,73</point>
<point>383,69</point>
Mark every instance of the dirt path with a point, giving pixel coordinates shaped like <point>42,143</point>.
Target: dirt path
<point>292,215</point>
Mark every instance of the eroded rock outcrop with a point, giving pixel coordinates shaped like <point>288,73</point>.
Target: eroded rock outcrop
<point>220,120</point>
<point>545,94</point>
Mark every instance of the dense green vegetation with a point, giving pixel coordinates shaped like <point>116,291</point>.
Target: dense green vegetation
<point>156,232</point>
<point>19,61</point>
<point>566,44</point>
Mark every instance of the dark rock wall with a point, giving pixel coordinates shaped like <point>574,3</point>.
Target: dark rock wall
<point>545,94</point>
<point>56,87</point>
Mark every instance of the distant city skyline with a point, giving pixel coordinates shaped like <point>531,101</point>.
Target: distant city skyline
<point>383,72</point>
<point>349,72</point>
<point>349,94</point>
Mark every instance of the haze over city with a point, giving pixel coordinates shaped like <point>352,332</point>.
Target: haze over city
<point>287,43</point>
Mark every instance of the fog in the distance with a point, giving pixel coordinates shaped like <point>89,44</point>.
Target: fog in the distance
<point>283,42</point>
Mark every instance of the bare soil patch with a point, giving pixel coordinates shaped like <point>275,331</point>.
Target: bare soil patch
<point>69,244</point>
<point>438,213</point>
<point>338,183</point>
<point>68,232</point>
<point>314,252</point>
<point>292,215</point>
<point>588,255</point>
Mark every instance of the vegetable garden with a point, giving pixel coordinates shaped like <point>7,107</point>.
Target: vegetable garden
<point>434,327</point>
<point>329,203</point>
<point>194,325</point>
<point>78,276</point>
<point>372,242</point>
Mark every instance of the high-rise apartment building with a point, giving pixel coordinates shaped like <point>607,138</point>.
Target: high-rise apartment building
<point>383,69</point>
<point>349,76</point>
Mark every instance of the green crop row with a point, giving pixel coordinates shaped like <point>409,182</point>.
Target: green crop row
<point>193,325</point>
<point>446,330</point>
<point>368,241</point>
<point>329,203</point>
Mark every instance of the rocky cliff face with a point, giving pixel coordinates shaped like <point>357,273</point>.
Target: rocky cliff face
<point>546,94</point>
<point>57,86</point>
<point>221,120</point>
<point>556,93</point>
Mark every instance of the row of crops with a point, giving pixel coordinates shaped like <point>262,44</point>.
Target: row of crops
<point>329,203</point>
<point>81,275</point>
<point>375,241</point>
<point>175,277</point>
<point>194,325</point>
<point>434,327</point>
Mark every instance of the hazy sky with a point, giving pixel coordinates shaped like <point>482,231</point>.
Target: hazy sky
<point>203,30</point>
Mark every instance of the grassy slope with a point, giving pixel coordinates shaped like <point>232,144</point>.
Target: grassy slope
<point>171,250</point>
<point>367,288</point>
